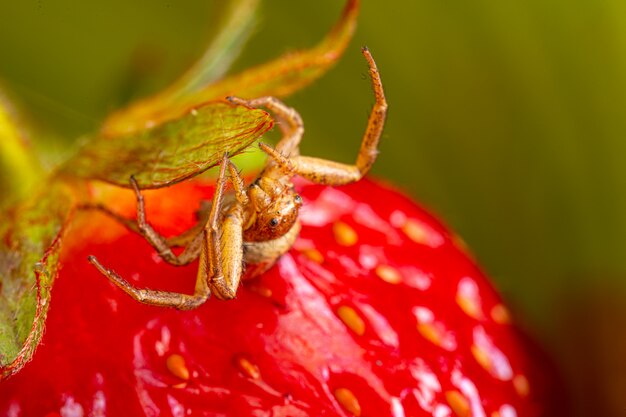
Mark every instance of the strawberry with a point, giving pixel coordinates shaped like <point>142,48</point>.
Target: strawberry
<point>377,310</point>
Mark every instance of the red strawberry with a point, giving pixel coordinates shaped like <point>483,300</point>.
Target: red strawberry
<point>376,311</point>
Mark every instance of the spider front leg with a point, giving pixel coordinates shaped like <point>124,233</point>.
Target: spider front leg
<point>209,269</point>
<point>327,172</point>
<point>225,241</point>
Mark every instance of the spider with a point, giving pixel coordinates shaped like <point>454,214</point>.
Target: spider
<point>253,225</point>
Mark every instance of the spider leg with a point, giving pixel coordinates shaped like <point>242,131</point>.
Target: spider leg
<point>292,130</point>
<point>153,297</point>
<point>208,267</point>
<point>226,243</point>
<point>240,188</point>
<point>130,224</point>
<point>334,173</point>
<point>192,237</point>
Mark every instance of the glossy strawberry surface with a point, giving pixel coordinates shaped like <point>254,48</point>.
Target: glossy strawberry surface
<point>376,311</point>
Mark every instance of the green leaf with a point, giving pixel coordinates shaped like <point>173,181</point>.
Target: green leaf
<point>280,77</point>
<point>173,151</point>
<point>30,241</point>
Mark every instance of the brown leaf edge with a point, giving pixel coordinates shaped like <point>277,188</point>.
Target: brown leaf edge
<point>45,272</point>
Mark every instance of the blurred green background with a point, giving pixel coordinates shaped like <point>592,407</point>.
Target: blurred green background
<point>506,118</point>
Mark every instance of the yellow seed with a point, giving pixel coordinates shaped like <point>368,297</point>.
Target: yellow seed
<point>175,363</point>
<point>430,332</point>
<point>521,385</point>
<point>459,404</point>
<point>388,274</point>
<point>348,401</point>
<point>344,234</point>
<point>470,306</point>
<point>500,314</point>
<point>415,231</point>
<point>351,319</point>
<point>481,357</point>
<point>314,255</point>
<point>496,414</point>
<point>248,368</point>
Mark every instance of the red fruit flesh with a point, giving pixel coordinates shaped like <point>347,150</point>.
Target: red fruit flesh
<point>376,311</point>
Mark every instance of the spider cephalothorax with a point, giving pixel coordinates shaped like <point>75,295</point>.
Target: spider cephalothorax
<point>273,210</point>
<point>258,223</point>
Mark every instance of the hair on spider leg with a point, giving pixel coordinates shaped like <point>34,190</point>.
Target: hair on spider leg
<point>238,170</point>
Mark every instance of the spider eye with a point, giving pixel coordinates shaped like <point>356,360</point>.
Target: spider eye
<point>274,222</point>
<point>297,199</point>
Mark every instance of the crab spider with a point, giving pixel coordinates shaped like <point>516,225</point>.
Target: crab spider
<point>257,223</point>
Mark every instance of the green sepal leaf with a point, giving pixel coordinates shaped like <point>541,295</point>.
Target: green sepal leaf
<point>30,242</point>
<point>279,78</point>
<point>173,151</point>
